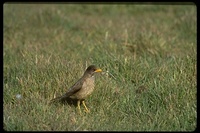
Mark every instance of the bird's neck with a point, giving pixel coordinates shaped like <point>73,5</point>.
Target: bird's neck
<point>86,75</point>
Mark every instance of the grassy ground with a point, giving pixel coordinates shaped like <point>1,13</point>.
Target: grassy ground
<point>148,51</point>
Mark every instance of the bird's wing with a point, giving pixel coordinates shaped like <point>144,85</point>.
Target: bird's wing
<point>75,88</point>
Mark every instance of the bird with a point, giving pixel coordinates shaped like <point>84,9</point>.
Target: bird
<point>82,88</point>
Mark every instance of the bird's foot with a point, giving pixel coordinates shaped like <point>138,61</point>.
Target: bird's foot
<point>87,110</point>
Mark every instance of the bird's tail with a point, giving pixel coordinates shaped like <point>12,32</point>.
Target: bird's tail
<point>57,99</point>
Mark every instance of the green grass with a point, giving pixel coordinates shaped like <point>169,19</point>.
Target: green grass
<point>48,47</point>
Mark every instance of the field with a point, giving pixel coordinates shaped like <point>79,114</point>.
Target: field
<point>147,53</point>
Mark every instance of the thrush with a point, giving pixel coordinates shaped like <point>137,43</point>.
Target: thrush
<point>82,88</point>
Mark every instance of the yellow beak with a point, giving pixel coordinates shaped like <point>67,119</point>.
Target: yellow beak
<point>98,70</point>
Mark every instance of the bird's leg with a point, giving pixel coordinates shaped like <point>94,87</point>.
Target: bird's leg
<point>86,109</point>
<point>78,104</point>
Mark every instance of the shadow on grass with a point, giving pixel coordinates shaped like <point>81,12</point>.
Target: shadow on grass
<point>65,101</point>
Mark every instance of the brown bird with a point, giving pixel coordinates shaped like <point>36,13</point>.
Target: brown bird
<point>82,88</point>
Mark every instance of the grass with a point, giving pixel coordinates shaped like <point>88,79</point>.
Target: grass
<point>147,53</point>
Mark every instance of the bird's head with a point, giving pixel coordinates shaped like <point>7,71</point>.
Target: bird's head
<point>91,70</point>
